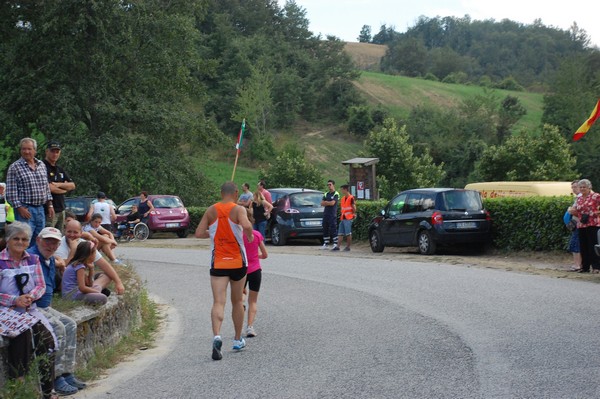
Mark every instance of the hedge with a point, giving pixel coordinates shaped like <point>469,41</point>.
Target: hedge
<point>530,223</point>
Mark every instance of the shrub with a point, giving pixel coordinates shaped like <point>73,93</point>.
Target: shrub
<point>291,169</point>
<point>530,223</point>
<point>359,120</point>
<point>196,213</point>
<point>365,212</point>
<point>431,76</point>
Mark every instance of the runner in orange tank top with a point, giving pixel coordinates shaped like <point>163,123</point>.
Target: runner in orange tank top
<point>225,223</point>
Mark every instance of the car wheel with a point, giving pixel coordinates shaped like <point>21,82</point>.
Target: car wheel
<point>277,237</point>
<point>375,241</point>
<point>426,244</point>
<point>150,233</point>
<point>182,233</point>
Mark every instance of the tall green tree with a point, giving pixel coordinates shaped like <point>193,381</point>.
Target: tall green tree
<point>365,34</point>
<point>399,168</point>
<point>291,169</point>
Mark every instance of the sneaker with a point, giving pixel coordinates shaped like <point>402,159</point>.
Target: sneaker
<point>239,345</point>
<point>347,249</point>
<point>118,261</point>
<point>335,248</point>
<point>63,388</point>
<point>217,343</point>
<point>324,247</point>
<point>74,382</point>
<point>250,332</point>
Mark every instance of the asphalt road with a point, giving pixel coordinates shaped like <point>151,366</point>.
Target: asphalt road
<point>342,326</point>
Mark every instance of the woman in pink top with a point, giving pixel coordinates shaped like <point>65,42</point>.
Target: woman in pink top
<point>586,209</point>
<point>255,251</point>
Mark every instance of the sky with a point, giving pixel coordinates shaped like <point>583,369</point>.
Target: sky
<point>345,18</point>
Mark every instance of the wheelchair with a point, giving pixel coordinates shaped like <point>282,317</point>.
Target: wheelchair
<point>127,231</point>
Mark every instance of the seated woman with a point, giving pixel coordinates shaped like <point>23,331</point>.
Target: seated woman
<point>78,281</point>
<point>106,240</point>
<point>21,284</point>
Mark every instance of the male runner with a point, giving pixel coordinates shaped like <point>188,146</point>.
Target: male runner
<point>224,223</point>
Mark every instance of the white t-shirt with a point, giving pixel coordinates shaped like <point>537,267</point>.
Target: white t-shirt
<point>103,208</point>
<point>63,250</point>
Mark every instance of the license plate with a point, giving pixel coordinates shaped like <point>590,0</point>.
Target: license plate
<point>466,225</point>
<point>171,225</point>
<point>312,223</point>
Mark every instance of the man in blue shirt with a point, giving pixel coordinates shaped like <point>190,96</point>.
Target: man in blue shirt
<point>65,328</point>
<point>329,202</point>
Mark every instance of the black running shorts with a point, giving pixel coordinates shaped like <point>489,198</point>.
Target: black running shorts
<point>233,274</point>
<point>253,280</point>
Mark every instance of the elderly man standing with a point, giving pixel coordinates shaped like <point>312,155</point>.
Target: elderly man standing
<point>60,184</point>
<point>27,188</point>
<point>65,328</point>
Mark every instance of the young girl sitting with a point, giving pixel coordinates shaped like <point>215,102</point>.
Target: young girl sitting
<point>254,274</point>
<point>78,279</point>
<point>106,240</point>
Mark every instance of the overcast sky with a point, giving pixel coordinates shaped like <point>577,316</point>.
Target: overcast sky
<point>344,18</point>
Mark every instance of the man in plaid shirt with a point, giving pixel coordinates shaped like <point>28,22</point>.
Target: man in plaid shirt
<point>27,188</point>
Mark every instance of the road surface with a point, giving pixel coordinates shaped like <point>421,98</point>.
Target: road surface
<point>345,326</point>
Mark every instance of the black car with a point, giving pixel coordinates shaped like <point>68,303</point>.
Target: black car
<point>430,217</point>
<point>297,213</point>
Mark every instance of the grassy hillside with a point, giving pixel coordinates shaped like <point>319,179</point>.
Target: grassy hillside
<point>399,94</point>
<point>366,56</point>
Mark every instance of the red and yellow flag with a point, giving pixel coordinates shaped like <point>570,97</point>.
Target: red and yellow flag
<point>583,129</point>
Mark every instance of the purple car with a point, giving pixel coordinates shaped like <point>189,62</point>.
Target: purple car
<point>169,214</point>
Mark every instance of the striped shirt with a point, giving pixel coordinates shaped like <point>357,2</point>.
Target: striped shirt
<point>26,186</point>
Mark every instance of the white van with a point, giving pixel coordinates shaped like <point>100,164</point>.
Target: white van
<point>521,188</point>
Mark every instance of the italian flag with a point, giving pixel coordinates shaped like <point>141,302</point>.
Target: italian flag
<point>583,129</point>
<point>238,145</point>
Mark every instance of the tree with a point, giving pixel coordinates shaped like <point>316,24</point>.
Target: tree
<point>290,169</point>
<point>359,120</point>
<point>399,168</point>
<point>546,156</point>
<point>365,34</point>
<point>511,110</point>
<point>254,101</point>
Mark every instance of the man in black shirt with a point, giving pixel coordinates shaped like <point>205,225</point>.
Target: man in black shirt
<point>60,184</point>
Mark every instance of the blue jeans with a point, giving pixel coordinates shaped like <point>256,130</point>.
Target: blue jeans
<point>37,221</point>
<point>261,227</point>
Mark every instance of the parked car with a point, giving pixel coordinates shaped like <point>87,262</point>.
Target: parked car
<point>169,214</point>
<point>81,205</point>
<point>297,213</point>
<point>427,218</point>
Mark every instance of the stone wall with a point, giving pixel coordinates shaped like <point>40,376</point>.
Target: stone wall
<point>100,327</point>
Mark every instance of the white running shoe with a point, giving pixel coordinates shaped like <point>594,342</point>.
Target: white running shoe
<point>324,247</point>
<point>239,345</point>
<point>250,332</point>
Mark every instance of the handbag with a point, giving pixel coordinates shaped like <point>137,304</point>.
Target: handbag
<point>13,323</point>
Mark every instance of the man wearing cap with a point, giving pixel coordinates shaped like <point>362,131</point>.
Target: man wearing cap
<point>65,328</point>
<point>27,188</point>
<point>60,184</point>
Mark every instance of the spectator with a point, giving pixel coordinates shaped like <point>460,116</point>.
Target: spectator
<point>78,281</point>
<point>571,222</point>
<point>145,206</point>
<point>105,240</point>
<point>261,212</point>
<point>246,198</point>
<point>68,246</point>
<point>3,207</point>
<point>22,285</point>
<point>27,188</point>
<point>65,328</point>
<point>586,210</point>
<point>262,187</point>
<point>330,201</point>
<point>60,184</point>
<point>347,216</point>
<point>106,211</point>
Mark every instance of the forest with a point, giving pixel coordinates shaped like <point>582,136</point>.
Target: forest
<point>139,91</point>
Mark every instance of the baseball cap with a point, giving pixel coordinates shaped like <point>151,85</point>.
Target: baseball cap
<point>50,232</point>
<point>101,194</point>
<point>53,145</point>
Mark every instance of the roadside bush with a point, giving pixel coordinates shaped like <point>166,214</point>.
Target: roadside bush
<point>531,223</point>
<point>431,76</point>
<point>365,212</point>
<point>196,213</point>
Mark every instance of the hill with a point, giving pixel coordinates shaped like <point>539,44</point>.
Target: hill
<point>399,94</point>
<point>366,56</point>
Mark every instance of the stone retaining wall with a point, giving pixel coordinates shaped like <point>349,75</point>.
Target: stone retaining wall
<point>99,327</point>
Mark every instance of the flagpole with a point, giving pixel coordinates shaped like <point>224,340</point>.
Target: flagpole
<point>238,147</point>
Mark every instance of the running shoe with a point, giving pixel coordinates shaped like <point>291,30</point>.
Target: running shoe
<point>73,381</point>
<point>335,248</point>
<point>239,345</point>
<point>119,262</point>
<point>347,249</point>
<point>324,247</point>
<point>250,332</point>
<point>216,354</point>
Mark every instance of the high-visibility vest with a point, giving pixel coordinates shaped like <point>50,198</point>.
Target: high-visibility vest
<point>347,211</point>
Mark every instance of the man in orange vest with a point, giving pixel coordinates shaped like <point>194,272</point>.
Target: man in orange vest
<point>225,223</point>
<point>347,216</point>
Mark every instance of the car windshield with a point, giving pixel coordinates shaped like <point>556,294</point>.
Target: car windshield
<point>167,202</point>
<point>462,201</point>
<point>76,205</point>
<point>311,200</point>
